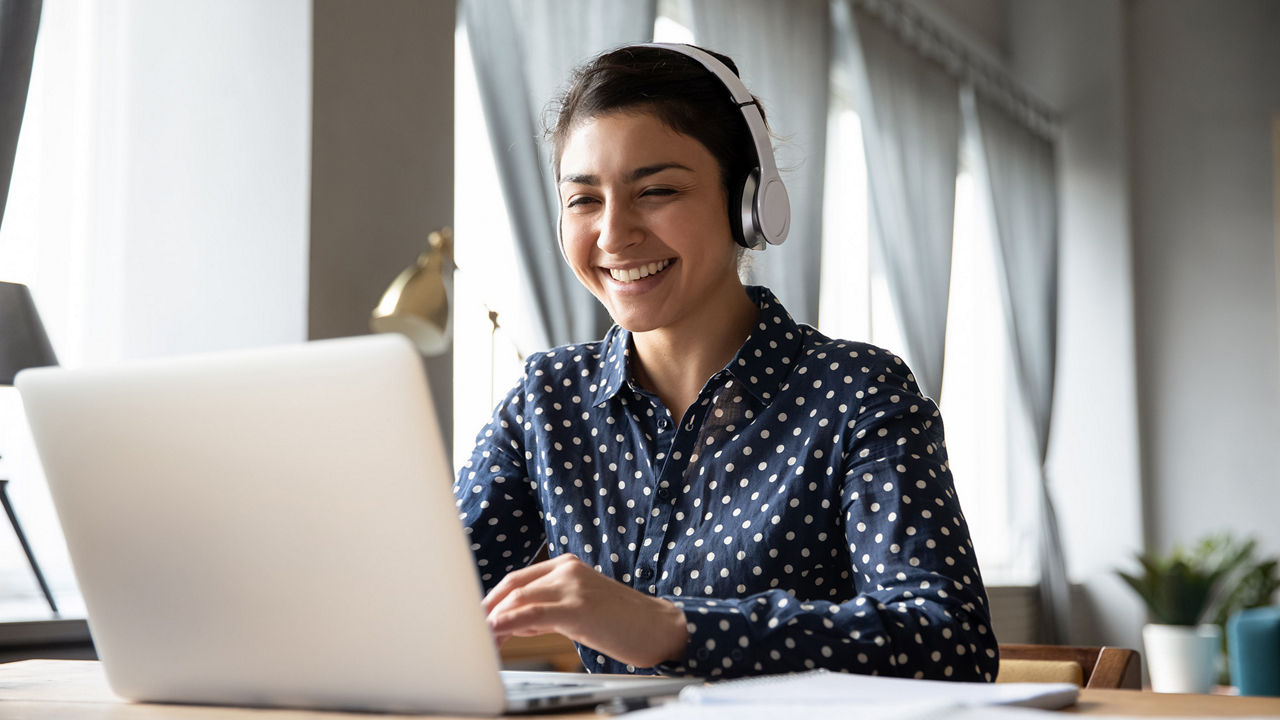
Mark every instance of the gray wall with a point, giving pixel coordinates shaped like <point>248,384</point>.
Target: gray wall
<point>1206,89</point>
<point>382,158</point>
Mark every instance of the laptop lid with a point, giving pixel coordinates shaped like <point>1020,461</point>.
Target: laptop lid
<point>269,527</point>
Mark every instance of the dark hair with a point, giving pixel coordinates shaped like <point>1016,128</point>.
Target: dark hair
<point>673,87</point>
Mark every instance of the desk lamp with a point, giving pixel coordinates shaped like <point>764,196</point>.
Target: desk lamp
<point>416,304</point>
<point>23,344</point>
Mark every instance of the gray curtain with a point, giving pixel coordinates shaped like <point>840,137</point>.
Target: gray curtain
<point>910,112</point>
<point>523,52</point>
<point>19,21</point>
<point>1021,171</point>
<point>781,49</point>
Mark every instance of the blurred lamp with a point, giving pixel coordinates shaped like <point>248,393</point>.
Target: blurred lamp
<point>416,304</point>
<point>23,344</point>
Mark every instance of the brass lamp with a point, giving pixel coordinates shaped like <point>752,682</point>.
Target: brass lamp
<point>416,304</point>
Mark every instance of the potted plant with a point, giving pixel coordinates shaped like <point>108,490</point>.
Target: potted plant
<point>1189,595</point>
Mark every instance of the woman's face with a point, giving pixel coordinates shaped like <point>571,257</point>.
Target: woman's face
<point>644,222</point>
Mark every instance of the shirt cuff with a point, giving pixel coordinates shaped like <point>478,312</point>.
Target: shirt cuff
<point>720,639</point>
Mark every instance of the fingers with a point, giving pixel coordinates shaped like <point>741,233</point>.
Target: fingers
<point>535,600</point>
<point>529,618</point>
<point>518,579</point>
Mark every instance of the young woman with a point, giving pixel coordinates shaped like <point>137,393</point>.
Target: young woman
<point>721,490</point>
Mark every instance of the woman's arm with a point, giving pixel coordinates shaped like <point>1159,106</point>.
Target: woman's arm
<point>496,498</point>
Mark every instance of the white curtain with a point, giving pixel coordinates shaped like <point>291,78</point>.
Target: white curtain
<point>910,112</point>
<point>781,49</point>
<point>1020,169</point>
<point>524,51</point>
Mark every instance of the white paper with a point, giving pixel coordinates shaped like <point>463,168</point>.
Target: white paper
<point>827,688</point>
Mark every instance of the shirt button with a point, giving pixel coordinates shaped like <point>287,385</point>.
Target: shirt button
<point>644,573</point>
<point>664,494</point>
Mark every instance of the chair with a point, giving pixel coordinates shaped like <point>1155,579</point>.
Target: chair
<point>1088,667</point>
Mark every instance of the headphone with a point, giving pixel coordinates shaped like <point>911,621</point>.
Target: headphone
<point>763,209</point>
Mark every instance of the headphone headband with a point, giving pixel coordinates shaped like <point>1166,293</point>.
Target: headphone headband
<point>766,209</point>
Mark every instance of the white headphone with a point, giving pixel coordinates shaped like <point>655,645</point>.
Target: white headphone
<point>765,212</point>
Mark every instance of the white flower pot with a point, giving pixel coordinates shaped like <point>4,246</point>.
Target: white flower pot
<point>1182,658</point>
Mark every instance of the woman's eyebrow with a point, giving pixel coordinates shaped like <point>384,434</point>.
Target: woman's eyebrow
<point>647,170</point>
<point>637,174</point>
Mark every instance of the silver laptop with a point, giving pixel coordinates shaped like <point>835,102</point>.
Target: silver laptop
<point>276,527</point>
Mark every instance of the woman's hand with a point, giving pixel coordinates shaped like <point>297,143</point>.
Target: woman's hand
<point>567,596</point>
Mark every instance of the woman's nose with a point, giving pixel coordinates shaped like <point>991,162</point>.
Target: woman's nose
<point>619,228</point>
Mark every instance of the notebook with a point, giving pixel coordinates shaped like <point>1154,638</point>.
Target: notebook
<point>276,527</point>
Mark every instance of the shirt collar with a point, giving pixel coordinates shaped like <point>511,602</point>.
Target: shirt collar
<point>761,364</point>
<point>770,352</point>
<point>614,369</point>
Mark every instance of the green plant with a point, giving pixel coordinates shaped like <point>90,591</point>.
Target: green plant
<point>1206,584</point>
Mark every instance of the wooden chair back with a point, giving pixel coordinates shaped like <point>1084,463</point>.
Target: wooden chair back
<point>1099,667</point>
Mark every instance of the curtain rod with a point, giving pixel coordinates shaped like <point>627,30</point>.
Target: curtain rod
<point>953,55</point>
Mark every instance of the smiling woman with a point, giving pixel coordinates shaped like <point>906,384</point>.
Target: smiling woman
<point>722,491</point>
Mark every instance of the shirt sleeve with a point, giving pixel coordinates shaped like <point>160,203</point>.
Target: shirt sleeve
<point>920,609</point>
<point>496,497</point>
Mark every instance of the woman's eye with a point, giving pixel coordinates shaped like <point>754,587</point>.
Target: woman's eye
<point>579,201</point>
<point>658,192</point>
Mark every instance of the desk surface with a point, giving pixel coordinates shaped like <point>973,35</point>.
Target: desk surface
<point>73,689</point>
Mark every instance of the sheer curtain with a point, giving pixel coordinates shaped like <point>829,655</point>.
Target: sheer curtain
<point>524,51</point>
<point>1020,168</point>
<point>910,112</point>
<point>781,50</point>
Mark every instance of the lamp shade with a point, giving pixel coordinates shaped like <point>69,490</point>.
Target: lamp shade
<point>23,342</point>
<point>416,304</point>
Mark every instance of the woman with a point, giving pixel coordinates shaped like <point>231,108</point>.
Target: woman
<point>721,490</point>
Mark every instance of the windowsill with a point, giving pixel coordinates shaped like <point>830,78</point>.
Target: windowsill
<point>25,617</point>
<point>53,631</point>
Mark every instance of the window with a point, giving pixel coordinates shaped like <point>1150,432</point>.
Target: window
<point>132,217</point>
<point>487,361</point>
<point>43,244</point>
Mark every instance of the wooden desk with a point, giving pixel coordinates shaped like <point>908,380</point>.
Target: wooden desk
<point>76,689</point>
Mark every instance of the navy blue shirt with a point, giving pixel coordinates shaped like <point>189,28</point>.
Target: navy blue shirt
<point>801,512</point>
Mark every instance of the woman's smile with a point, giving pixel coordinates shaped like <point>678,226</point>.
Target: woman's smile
<point>629,275</point>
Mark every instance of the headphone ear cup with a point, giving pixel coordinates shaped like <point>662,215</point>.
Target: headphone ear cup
<point>737,193</point>
<point>744,214</point>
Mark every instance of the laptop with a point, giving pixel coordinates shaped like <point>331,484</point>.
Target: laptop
<point>276,527</point>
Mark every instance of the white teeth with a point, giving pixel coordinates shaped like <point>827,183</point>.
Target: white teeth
<point>636,273</point>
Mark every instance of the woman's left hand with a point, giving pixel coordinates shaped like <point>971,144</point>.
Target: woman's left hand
<point>567,596</point>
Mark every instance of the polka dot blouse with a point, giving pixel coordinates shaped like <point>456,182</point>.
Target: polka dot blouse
<point>801,513</point>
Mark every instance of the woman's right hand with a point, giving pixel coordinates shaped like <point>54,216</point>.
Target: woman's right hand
<point>566,596</point>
